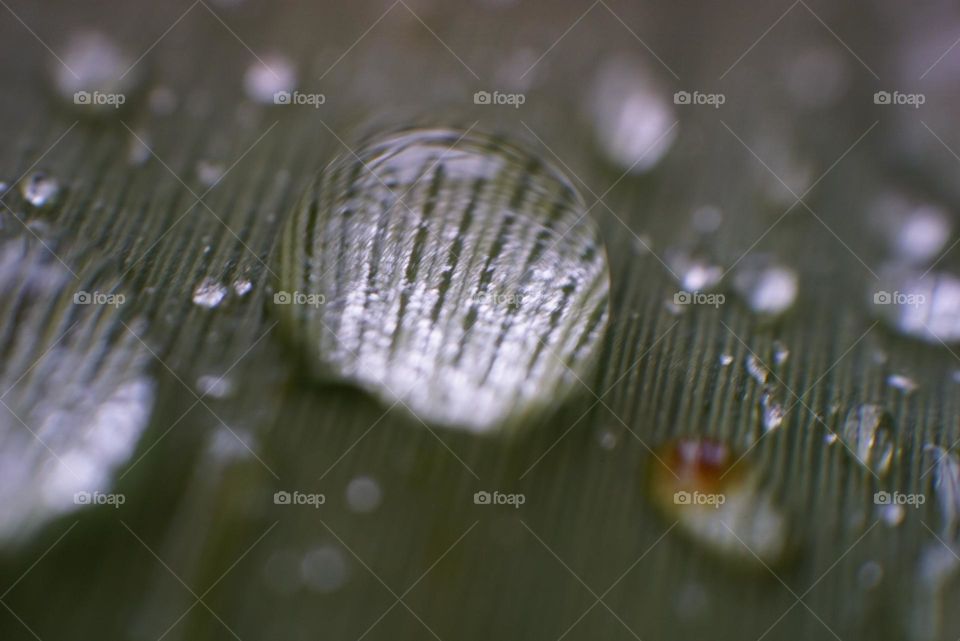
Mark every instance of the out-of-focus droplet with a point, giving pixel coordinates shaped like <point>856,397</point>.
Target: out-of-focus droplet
<point>138,149</point>
<point>767,288</point>
<point>725,359</point>
<point>271,75</point>
<point>780,352</point>
<point>870,575</point>
<point>608,437</point>
<point>476,300</point>
<point>96,75</point>
<point>707,219</point>
<point>324,569</point>
<point>363,494</point>
<point>281,572</point>
<point>903,383</point>
<point>816,77</point>
<point>868,433</point>
<point>162,100</point>
<point>917,304</point>
<point>915,231</point>
<point>209,293</point>
<point>209,173</point>
<point>945,467</point>
<point>892,514</point>
<point>717,501</point>
<point>632,116</point>
<point>694,269</point>
<point>757,370</point>
<point>40,189</point>
<point>214,386</point>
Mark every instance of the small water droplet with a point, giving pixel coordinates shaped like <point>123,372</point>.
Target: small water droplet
<point>718,501</point>
<point>242,286</point>
<point>363,494</point>
<point>209,293</point>
<point>756,369</point>
<point>40,189</point>
<point>162,100</point>
<point>272,74</point>
<point>281,572</point>
<point>773,411</point>
<point>868,432</point>
<point>780,352</point>
<point>324,569</point>
<point>767,288</point>
<point>707,219</point>
<point>893,514</point>
<point>870,575</point>
<point>631,115</point>
<point>138,150</point>
<point>945,467</point>
<point>96,76</point>
<point>816,77</point>
<point>916,232</point>
<point>902,382</point>
<point>921,305</point>
<point>209,173</point>
<point>694,269</point>
<point>608,438</point>
<point>214,386</point>
<point>725,359</point>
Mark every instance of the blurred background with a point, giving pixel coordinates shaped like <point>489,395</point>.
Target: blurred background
<point>796,160</point>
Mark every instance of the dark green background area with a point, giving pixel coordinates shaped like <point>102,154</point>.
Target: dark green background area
<point>195,521</point>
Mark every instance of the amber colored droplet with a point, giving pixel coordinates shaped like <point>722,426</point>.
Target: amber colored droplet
<point>717,500</point>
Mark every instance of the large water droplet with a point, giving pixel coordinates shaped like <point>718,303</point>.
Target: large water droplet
<point>452,273</point>
<point>718,501</point>
<point>868,433</point>
<point>918,304</point>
